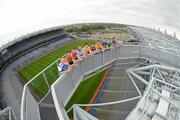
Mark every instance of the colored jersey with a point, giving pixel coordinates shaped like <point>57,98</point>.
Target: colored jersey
<point>98,46</point>
<point>104,43</point>
<point>109,44</point>
<point>79,52</point>
<point>64,60</point>
<point>120,42</point>
<point>93,48</point>
<point>86,50</point>
<point>70,60</point>
<point>74,55</point>
<point>62,67</point>
<point>114,42</point>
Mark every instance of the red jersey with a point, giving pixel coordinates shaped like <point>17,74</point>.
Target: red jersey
<point>93,48</point>
<point>73,54</point>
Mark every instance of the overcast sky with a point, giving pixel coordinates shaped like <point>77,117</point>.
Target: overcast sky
<point>23,16</point>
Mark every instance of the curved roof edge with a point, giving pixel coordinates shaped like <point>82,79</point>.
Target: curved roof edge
<point>27,35</point>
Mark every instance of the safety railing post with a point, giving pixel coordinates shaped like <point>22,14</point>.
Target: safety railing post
<point>119,55</point>
<point>57,68</point>
<point>139,51</point>
<point>102,57</point>
<point>158,60</point>
<point>10,114</point>
<point>46,81</point>
<point>110,57</point>
<point>81,68</point>
<point>93,61</point>
<point>116,52</point>
<point>72,78</point>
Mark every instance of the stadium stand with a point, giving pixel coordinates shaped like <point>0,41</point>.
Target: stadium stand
<point>26,45</point>
<point>143,83</point>
<point>20,52</point>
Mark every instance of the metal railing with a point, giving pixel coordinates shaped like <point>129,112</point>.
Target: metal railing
<point>66,84</point>
<point>7,114</point>
<point>30,102</point>
<point>103,58</point>
<point>152,90</point>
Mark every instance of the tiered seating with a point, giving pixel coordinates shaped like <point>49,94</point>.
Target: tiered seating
<point>162,108</point>
<point>26,45</point>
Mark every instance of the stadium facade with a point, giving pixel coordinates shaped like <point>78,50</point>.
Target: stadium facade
<point>143,83</point>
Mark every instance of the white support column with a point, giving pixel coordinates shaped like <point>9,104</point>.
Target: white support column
<point>10,118</point>
<point>134,84</point>
<point>138,77</point>
<point>165,98</point>
<point>109,103</point>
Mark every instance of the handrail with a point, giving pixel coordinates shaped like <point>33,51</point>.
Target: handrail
<point>8,109</point>
<point>25,87</point>
<point>103,104</point>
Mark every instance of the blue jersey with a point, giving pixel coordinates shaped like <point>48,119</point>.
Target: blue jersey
<point>62,67</point>
<point>79,52</point>
<point>104,43</point>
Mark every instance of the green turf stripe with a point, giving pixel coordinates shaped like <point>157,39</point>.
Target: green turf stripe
<point>37,66</point>
<point>85,91</point>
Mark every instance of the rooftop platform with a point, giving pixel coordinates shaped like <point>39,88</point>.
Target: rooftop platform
<point>143,84</point>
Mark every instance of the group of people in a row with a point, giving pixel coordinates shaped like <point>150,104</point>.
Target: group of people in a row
<point>70,59</point>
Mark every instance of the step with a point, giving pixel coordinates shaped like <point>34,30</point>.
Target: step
<point>124,65</point>
<point>118,84</point>
<point>127,60</point>
<point>118,72</point>
<point>105,114</point>
<point>116,96</point>
<point>127,106</point>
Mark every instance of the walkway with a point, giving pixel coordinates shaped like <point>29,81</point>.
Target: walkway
<point>12,85</point>
<point>118,86</point>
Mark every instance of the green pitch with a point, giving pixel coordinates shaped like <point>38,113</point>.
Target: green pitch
<point>38,86</point>
<point>122,36</point>
<point>85,91</point>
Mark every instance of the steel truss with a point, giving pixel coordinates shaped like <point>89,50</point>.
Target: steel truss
<point>156,77</point>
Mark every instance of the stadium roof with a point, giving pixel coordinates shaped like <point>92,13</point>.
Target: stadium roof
<point>18,17</point>
<point>19,35</point>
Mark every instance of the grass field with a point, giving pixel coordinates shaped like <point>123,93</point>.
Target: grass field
<point>122,36</point>
<point>38,86</point>
<point>85,91</point>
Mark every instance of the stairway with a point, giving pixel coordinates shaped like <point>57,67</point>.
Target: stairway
<point>47,109</point>
<point>118,86</point>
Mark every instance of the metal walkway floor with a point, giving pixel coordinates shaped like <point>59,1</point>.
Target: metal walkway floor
<point>118,86</point>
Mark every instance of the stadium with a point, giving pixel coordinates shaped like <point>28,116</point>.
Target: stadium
<point>138,79</point>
